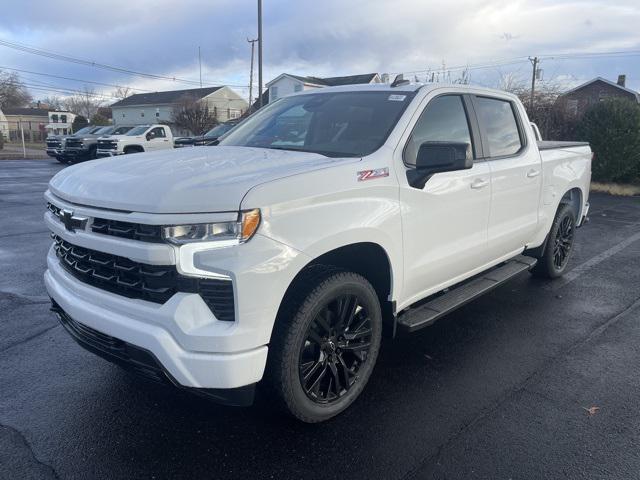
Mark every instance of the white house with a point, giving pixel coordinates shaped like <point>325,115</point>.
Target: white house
<point>60,122</point>
<point>4,126</point>
<point>286,84</point>
<point>157,107</point>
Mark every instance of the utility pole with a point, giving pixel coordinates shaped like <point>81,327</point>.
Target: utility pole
<point>260,53</point>
<point>200,62</point>
<point>253,46</point>
<point>534,61</point>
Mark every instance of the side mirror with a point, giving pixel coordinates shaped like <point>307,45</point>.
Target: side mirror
<point>436,157</point>
<point>150,135</point>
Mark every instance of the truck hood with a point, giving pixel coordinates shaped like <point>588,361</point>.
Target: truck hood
<point>194,180</point>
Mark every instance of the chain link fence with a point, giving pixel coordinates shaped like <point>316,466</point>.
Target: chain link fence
<point>22,140</point>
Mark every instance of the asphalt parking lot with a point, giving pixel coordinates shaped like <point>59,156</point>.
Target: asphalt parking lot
<point>535,380</point>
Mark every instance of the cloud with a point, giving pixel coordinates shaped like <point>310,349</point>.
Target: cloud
<point>318,38</point>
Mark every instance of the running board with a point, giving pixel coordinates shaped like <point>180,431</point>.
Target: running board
<point>424,315</point>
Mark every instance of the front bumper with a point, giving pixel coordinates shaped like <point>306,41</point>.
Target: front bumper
<point>107,153</point>
<point>75,152</point>
<point>166,331</point>
<point>141,361</point>
<point>52,152</point>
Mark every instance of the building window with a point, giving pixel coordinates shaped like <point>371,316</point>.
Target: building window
<point>123,115</point>
<point>54,118</point>
<point>572,107</point>
<point>142,114</point>
<point>157,114</point>
<point>297,88</point>
<point>234,114</point>
<point>63,118</point>
<point>274,93</point>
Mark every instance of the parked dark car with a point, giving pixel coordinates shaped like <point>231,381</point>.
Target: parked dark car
<point>208,139</point>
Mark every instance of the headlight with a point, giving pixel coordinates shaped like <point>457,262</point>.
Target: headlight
<point>234,232</point>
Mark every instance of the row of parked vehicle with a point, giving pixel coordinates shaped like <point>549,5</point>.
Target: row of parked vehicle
<point>99,141</point>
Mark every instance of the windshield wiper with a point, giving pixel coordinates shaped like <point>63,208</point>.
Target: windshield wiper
<point>324,153</point>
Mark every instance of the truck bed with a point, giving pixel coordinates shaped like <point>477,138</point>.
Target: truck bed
<point>550,145</point>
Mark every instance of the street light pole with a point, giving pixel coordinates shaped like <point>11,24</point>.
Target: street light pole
<point>259,53</point>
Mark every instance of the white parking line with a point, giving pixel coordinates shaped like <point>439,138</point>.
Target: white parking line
<point>583,268</point>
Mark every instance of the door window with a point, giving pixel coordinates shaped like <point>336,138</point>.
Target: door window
<point>157,132</point>
<point>443,120</point>
<point>500,125</point>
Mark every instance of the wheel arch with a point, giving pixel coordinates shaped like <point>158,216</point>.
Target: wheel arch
<point>573,197</point>
<point>368,259</point>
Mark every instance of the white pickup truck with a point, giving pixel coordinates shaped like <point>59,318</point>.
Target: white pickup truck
<point>278,257</point>
<point>142,138</point>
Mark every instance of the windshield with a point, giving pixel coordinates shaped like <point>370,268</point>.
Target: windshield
<point>219,130</point>
<point>336,124</point>
<point>138,130</point>
<point>121,130</point>
<point>103,130</point>
<point>84,130</point>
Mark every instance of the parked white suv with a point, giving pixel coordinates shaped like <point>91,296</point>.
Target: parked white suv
<point>278,256</point>
<point>142,138</point>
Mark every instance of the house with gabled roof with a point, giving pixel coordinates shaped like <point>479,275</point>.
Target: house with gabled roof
<point>157,107</point>
<point>286,83</point>
<point>576,101</point>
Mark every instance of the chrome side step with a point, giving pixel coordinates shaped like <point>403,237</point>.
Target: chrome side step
<point>423,315</point>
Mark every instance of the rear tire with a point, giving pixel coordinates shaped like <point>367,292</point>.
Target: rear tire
<point>557,252</point>
<point>324,345</point>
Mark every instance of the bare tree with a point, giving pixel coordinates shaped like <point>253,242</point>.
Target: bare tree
<point>13,93</point>
<point>85,103</point>
<point>193,115</point>
<point>122,92</point>
<point>53,101</point>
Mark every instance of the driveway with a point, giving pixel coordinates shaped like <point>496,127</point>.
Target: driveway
<point>535,380</point>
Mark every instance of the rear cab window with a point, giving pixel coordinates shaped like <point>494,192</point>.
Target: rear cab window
<point>499,121</point>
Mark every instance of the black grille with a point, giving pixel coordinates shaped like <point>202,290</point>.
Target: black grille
<point>107,144</point>
<point>73,143</point>
<point>53,209</point>
<point>154,283</point>
<point>54,143</point>
<point>132,231</point>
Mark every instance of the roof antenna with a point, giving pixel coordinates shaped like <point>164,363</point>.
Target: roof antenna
<point>399,81</point>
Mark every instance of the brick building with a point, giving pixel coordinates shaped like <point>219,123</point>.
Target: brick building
<point>576,101</point>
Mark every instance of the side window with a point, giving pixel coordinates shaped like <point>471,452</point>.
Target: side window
<point>443,120</point>
<point>499,122</point>
<point>157,132</point>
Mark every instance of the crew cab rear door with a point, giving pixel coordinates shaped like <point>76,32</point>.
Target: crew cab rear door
<point>516,172</point>
<point>444,221</point>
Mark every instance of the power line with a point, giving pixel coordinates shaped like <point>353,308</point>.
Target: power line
<point>520,60</point>
<point>66,58</point>
<point>72,79</point>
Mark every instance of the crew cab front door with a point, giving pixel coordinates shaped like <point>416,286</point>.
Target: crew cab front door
<point>157,139</point>
<point>444,222</point>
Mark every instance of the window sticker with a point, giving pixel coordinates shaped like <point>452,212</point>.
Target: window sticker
<point>397,98</point>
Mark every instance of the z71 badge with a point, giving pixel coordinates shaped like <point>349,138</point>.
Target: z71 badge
<point>371,174</point>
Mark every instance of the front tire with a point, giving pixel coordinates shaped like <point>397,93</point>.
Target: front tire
<point>557,252</point>
<point>325,345</point>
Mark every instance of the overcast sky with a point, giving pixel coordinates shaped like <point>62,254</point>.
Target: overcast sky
<point>320,38</point>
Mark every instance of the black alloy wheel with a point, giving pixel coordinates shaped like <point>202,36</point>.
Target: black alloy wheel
<point>324,344</point>
<point>557,252</point>
<point>563,242</point>
<point>337,344</point>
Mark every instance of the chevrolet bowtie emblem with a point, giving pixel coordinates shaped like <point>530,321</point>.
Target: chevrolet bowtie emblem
<point>70,222</point>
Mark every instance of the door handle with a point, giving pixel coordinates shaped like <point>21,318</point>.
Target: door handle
<point>533,173</point>
<point>479,183</point>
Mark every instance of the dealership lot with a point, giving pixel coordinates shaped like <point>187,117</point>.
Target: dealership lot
<point>503,388</point>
